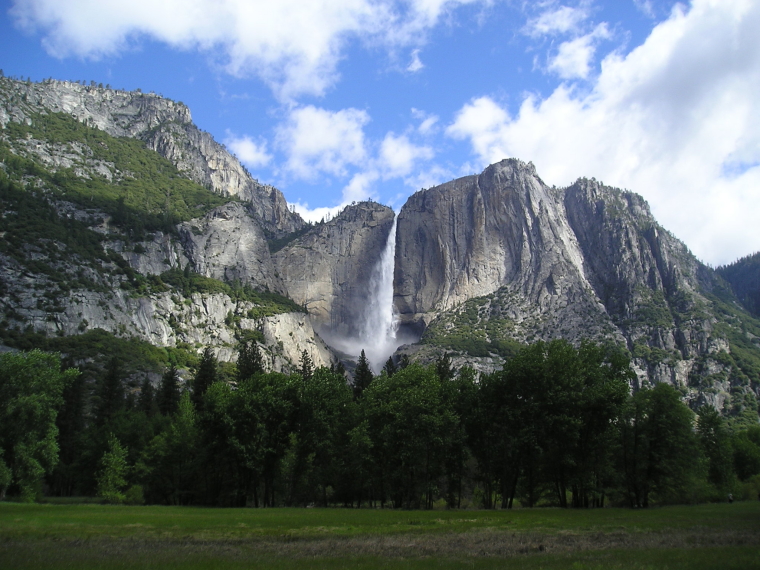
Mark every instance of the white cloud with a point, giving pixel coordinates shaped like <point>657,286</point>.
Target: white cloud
<point>249,152</point>
<point>573,59</point>
<point>676,120</point>
<point>360,186</point>
<point>316,214</point>
<point>557,20</point>
<point>399,156</point>
<point>427,121</point>
<point>645,7</point>
<point>322,141</point>
<point>415,65</point>
<point>293,45</point>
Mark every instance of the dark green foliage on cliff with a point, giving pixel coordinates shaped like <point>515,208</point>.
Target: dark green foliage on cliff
<point>472,329</point>
<point>29,224</point>
<point>267,303</point>
<point>741,330</point>
<point>276,244</point>
<point>146,193</point>
<point>96,347</point>
<point>744,277</point>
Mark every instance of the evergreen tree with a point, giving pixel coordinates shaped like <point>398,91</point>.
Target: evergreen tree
<point>110,393</point>
<point>168,392</point>
<point>249,362</point>
<point>307,366</point>
<point>362,375</point>
<point>204,377</point>
<point>716,445</point>
<point>146,403</point>
<point>390,367</point>
<point>71,425</point>
<point>443,368</point>
<point>112,479</point>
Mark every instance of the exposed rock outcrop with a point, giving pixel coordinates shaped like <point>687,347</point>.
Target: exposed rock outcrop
<point>471,236</point>
<point>500,257</point>
<point>165,126</point>
<point>329,268</point>
<point>227,244</point>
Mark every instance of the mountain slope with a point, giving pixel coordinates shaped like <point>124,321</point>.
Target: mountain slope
<point>488,261</point>
<point>100,232</point>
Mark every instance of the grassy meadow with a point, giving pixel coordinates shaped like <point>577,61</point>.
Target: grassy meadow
<point>101,536</point>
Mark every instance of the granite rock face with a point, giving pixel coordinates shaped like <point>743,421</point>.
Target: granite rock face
<point>328,269</point>
<point>500,257</point>
<point>165,126</point>
<point>227,244</point>
<point>471,236</point>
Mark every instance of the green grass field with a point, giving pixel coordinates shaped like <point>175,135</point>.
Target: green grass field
<point>99,536</point>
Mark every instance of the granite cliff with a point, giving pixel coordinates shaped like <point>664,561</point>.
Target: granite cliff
<point>79,252</point>
<point>328,269</point>
<point>488,262</point>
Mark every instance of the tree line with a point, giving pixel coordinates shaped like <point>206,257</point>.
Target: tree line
<point>558,425</point>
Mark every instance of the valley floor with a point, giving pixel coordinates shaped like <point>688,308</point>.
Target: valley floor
<point>96,536</point>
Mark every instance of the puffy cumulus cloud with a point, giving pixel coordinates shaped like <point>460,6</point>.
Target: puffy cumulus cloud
<point>250,152</point>
<point>315,215</point>
<point>293,45</point>
<point>364,164</point>
<point>399,156</point>
<point>677,120</point>
<point>555,20</point>
<point>358,188</point>
<point>321,141</point>
<point>573,59</point>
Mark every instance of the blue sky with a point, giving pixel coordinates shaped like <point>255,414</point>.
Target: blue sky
<point>335,101</point>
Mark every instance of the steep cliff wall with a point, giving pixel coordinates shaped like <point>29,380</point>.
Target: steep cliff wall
<point>86,237</point>
<point>328,269</point>
<point>471,236</point>
<point>489,261</point>
<point>227,244</point>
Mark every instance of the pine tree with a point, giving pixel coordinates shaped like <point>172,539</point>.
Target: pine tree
<point>147,401</point>
<point>168,392</point>
<point>112,479</point>
<point>249,362</point>
<point>109,393</point>
<point>204,377</point>
<point>443,368</point>
<point>390,367</point>
<point>307,366</point>
<point>362,376</point>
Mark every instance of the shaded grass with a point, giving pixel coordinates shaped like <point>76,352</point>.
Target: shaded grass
<point>101,536</point>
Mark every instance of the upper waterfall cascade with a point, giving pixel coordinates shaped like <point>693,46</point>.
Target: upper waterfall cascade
<point>378,335</point>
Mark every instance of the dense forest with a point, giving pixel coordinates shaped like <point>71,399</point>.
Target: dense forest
<point>557,426</point>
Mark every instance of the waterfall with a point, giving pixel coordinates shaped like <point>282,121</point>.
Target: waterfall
<point>378,335</point>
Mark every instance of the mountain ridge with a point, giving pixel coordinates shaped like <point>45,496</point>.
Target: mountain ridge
<point>483,264</point>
